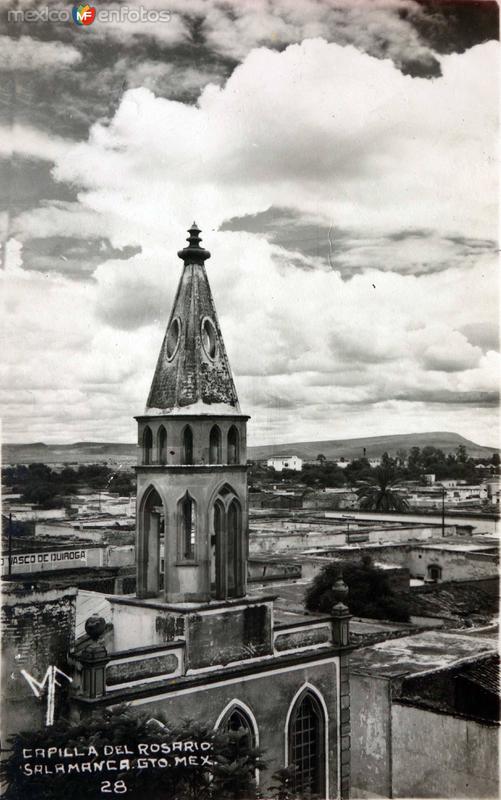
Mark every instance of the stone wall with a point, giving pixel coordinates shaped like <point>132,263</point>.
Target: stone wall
<point>451,756</point>
<point>280,541</point>
<point>371,736</point>
<point>456,565</point>
<point>37,631</point>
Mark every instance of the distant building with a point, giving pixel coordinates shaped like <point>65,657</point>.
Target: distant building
<point>58,560</point>
<point>464,493</point>
<point>493,488</point>
<point>279,463</point>
<point>429,478</point>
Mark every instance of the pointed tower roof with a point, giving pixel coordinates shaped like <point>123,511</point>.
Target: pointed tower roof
<point>193,374</point>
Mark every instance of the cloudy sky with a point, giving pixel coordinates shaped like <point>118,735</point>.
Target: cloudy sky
<point>340,158</point>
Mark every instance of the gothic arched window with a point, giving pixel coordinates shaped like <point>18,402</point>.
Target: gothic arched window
<point>227,566</point>
<point>188,527</point>
<point>162,445</point>
<point>237,720</point>
<point>215,445</point>
<point>233,446</point>
<point>147,445</point>
<point>187,456</point>
<point>307,745</point>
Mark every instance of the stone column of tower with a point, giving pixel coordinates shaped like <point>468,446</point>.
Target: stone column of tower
<point>192,474</point>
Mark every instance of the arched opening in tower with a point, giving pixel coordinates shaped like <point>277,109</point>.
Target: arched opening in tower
<point>187,455</point>
<point>215,445</point>
<point>233,446</point>
<point>226,563</point>
<point>147,446</point>
<point>162,445</point>
<point>151,532</point>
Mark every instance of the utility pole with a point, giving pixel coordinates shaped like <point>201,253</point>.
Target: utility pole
<point>443,511</point>
<point>10,545</point>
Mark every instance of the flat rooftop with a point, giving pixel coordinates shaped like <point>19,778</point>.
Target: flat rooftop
<point>423,652</point>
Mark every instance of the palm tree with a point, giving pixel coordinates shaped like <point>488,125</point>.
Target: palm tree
<point>380,492</point>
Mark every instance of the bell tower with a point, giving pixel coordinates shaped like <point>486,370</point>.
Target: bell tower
<point>192,469</point>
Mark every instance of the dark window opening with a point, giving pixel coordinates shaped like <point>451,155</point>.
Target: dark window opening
<point>233,446</point>
<point>162,445</point>
<point>434,572</point>
<point>189,528</point>
<point>215,445</point>
<point>238,722</point>
<point>147,446</point>
<point>188,445</point>
<point>232,547</point>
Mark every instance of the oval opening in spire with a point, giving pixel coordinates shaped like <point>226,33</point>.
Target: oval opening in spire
<point>173,336</point>
<point>209,339</point>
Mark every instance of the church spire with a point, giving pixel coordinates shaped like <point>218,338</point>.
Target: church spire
<point>193,373</point>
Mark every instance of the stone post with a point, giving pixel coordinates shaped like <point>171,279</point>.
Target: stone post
<point>340,613</point>
<point>94,658</point>
<point>341,637</point>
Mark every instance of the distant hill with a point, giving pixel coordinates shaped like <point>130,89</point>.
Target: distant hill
<point>77,453</point>
<point>374,446</point>
<point>102,452</point>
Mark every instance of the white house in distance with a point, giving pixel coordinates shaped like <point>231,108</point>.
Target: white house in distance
<point>278,463</point>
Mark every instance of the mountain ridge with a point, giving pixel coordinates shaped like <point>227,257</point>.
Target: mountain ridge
<point>85,452</point>
<point>374,446</point>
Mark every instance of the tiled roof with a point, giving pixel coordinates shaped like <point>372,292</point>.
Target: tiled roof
<point>485,674</point>
<point>453,601</point>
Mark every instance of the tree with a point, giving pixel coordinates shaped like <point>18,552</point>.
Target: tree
<point>387,461</point>
<point>282,787</point>
<point>370,593</point>
<point>401,457</point>
<point>461,454</point>
<point>380,492</point>
<point>495,460</point>
<point>230,774</point>
<point>122,483</point>
<point>321,458</point>
<point>414,462</point>
<point>45,495</point>
<point>358,469</point>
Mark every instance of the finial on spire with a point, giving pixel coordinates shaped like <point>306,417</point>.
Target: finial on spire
<point>194,253</point>
<point>340,593</point>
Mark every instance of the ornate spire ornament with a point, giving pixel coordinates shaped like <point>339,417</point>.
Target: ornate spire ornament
<point>194,254</point>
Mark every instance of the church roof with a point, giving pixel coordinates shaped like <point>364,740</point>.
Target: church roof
<point>193,374</point>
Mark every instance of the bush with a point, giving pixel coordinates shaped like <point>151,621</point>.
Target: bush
<point>370,593</point>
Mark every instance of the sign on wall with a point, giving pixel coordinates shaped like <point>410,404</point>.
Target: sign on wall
<point>47,561</point>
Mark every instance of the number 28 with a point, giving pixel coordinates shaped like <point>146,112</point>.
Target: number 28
<point>118,787</point>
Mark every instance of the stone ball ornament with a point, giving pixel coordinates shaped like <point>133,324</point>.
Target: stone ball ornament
<point>95,626</point>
